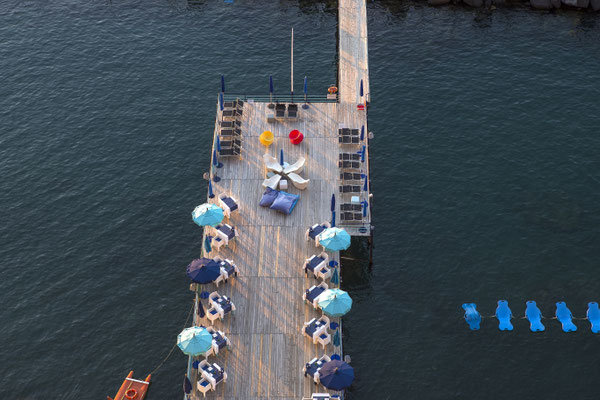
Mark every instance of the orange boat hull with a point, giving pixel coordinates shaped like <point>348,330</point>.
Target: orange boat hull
<point>132,389</point>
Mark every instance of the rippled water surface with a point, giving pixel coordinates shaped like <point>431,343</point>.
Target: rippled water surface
<point>486,176</point>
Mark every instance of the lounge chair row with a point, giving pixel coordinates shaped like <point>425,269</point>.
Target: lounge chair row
<point>280,111</point>
<point>351,217</point>
<point>350,189</point>
<point>350,176</point>
<point>349,157</point>
<point>349,164</point>
<point>230,131</point>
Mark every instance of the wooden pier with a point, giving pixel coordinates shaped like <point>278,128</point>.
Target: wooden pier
<point>268,350</point>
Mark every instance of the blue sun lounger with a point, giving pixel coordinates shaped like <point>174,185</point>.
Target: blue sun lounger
<point>504,315</point>
<point>534,316</point>
<point>593,315</point>
<point>472,316</point>
<point>564,316</point>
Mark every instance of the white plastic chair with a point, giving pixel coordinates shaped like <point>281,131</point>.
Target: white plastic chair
<point>298,181</point>
<point>272,182</point>
<point>295,167</point>
<point>271,163</point>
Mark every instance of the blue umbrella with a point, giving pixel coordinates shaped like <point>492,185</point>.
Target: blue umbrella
<point>366,187</point>
<point>222,84</point>
<point>204,295</point>
<point>203,270</point>
<point>333,263</point>
<point>333,218</point>
<point>305,106</point>
<point>218,144</point>
<point>281,157</point>
<point>361,88</point>
<point>362,133</point>
<point>207,245</point>
<point>271,88</point>
<point>336,338</point>
<point>196,364</point>
<point>334,239</point>
<point>211,195</point>
<point>187,385</point>
<point>365,204</point>
<point>194,341</point>
<point>216,162</point>
<point>335,302</point>
<point>362,153</point>
<point>201,312</point>
<point>333,209</point>
<point>335,278</point>
<point>333,326</point>
<point>335,357</point>
<point>207,214</point>
<point>336,375</point>
<point>221,101</point>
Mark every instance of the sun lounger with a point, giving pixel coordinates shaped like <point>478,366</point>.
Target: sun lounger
<point>293,111</point>
<point>295,167</point>
<point>315,230</point>
<point>349,164</point>
<point>227,132</point>
<point>350,207</point>
<point>298,181</point>
<point>228,204</point>
<point>349,157</point>
<point>280,111</point>
<point>272,164</point>
<point>230,124</point>
<point>349,189</point>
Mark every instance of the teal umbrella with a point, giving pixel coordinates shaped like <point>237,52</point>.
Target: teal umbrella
<point>335,302</point>
<point>336,338</point>
<point>334,239</point>
<point>335,278</point>
<point>194,341</point>
<point>207,214</point>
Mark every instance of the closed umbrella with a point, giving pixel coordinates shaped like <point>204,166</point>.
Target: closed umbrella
<point>334,239</point>
<point>336,338</point>
<point>221,101</point>
<point>201,312</point>
<point>271,105</point>
<point>362,133</point>
<point>194,341</point>
<point>211,195</point>
<point>366,185</point>
<point>336,375</point>
<point>218,144</point>
<point>281,157</point>
<point>361,88</point>
<point>333,209</point>
<point>187,385</point>
<point>203,270</point>
<point>335,302</point>
<point>362,154</point>
<point>207,214</point>
<point>207,243</point>
<point>216,163</point>
<point>305,106</point>
<point>335,278</point>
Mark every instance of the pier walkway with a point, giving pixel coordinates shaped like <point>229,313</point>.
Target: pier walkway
<point>268,350</point>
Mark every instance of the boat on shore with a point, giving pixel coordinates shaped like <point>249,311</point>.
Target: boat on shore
<point>132,389</point>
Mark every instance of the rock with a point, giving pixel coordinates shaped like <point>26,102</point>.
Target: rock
<point>541,4</point>
<point>577,3</point>
<point>595,5</point>
<point>474,3</point>
<point>437,2</point>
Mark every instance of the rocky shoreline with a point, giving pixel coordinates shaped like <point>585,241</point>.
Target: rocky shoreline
<point>592,5</point>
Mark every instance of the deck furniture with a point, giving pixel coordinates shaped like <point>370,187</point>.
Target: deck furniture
<point>315,327</point>
<point>204,386</point>
<point>279,111</point>
<point>219,341</point>
<point>228,268</point>
<point>283,184</point>
<point>295,167</point>
<point>228,203</point>
<point>226,232</point>
<point>292,111</point>
<point>323,273</point>
<point>272,164</point>
<point>296,137</point>
<point>312,367</point>
<point>312,294</point>
<point>314,231</point>
<point>266,138</point>
<point>315,262</point>
<point>298,181</point>
<point>212,373</point>
<point>349,164</point>
<point>222,304</point>
<point>272,182</point>
<point>350,189</point>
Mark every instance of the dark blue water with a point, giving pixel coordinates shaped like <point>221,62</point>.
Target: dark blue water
<point>486,178</point>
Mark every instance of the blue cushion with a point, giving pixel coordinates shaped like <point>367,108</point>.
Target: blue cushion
<point>285,202</point>
<point>268,197</point>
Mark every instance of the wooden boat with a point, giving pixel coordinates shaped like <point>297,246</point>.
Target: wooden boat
<point>132,389</point>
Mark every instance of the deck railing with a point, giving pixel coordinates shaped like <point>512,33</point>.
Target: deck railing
<point>281,98</point>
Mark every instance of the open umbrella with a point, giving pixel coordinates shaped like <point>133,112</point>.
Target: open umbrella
<point>194,341</point>
<point>203,270</point>
<point>207,214</point>
<point>335,302</point>
<point>187,385</point>
<point>222,84</point>
<point>334,239</point>
<point>336,375</point>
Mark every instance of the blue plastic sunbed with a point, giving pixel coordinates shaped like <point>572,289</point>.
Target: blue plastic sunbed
<point>504,315</point>
<point>472,316</point>
<point>534,316</point>
<point>593,315</point>
<point>564,316</point>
